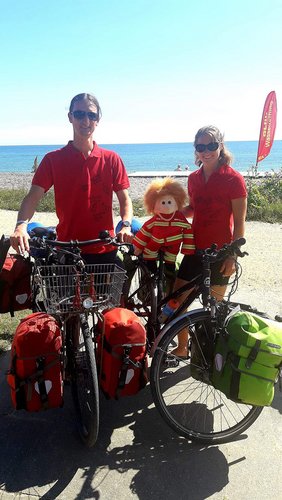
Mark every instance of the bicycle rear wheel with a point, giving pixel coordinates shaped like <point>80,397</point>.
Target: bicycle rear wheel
<point>189,404</point>
<point>84,380</point>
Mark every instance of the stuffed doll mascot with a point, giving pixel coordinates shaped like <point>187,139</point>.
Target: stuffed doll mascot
<point>168,229</point>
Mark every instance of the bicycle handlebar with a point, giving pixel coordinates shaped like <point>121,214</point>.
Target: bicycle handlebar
<point>211,254</point>
<point>77,243</point>
<point>232,249</point>
<point>39,239</point>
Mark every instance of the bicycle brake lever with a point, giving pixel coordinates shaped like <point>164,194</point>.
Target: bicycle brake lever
<point>241,254</point>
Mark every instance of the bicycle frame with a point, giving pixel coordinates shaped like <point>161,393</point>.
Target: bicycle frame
<point>199,286</point>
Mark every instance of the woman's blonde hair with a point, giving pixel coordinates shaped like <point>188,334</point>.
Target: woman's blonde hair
<point>225,156</point>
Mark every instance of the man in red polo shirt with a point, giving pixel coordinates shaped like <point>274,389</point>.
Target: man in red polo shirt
<point>84,177</point>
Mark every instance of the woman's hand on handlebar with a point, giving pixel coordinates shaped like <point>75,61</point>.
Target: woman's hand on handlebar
<point>20,239</point>
<point>229,263</point>
<point>228,267</point>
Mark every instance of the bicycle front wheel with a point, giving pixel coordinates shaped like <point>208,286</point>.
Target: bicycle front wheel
<point>186,400</point>
<point>84,380</point>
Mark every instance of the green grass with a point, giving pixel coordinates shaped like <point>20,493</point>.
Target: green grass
<point>8,326</point>
<point>10,199</point>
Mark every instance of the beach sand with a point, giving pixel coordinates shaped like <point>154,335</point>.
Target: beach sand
<point>261,281</point>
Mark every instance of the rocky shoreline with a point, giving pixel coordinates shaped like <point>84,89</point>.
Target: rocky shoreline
<point>138,184</point>
<point>14,180</point>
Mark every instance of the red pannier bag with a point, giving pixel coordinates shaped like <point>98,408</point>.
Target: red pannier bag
<point>35,375</point>
<point>122,356</point>
<point>15,284</point>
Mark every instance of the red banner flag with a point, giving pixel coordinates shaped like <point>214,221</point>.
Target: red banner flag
<point>267,128</point>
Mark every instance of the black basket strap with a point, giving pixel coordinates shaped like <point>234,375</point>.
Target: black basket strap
<point>111,348</point>
<point>253,354</point>
<point>29,358</point>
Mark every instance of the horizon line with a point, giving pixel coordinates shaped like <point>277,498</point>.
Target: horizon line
<point>129,143</point>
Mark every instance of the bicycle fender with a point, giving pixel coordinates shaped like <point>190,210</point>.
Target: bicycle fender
<point>188,314</point>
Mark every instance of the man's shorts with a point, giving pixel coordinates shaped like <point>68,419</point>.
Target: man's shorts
<point>103,258</point>
<point>191,266</point>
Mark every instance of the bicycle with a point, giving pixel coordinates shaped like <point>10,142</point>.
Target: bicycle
<point>75,293</point>
<point>168,371</point>
<point>145,292</point>
<point>182,388</point>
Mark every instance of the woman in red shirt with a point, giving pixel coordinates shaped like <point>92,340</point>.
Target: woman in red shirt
<point>218,205</point>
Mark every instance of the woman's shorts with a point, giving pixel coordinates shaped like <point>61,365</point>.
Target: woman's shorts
<point>191,266</point>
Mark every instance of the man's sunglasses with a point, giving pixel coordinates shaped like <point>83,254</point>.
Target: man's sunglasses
<point>212,146</point>
<point>80,115</point>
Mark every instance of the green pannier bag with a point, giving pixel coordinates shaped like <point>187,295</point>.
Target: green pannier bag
<point>248,358</point>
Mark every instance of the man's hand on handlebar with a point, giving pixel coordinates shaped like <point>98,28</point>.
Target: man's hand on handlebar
<point>125,235</point>
<point>20,239</point>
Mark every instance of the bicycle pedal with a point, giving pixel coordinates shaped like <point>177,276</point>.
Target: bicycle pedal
<point>171,361</point>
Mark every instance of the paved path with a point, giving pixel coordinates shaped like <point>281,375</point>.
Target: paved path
<point>136,456</point>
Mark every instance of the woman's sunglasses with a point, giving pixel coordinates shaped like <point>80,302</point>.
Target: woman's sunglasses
<point>80,115</point>
<point>212,146</point>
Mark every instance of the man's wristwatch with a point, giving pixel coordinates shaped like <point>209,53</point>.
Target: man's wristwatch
<point>126,223</point>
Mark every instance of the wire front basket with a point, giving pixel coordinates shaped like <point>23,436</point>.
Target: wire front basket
<point>66,289</point>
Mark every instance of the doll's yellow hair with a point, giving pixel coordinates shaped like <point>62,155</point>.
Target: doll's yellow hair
<point>162,187</point>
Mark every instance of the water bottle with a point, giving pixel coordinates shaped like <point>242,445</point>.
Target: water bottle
<point>168,310</point>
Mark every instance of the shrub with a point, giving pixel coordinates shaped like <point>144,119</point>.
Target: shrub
<point>265,197</point>
<point>138,208</point>
<point>10,199</point>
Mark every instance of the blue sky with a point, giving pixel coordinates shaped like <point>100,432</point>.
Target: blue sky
<point>159,68</point>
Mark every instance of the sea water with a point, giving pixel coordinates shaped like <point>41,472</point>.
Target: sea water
<point>148,157</point>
